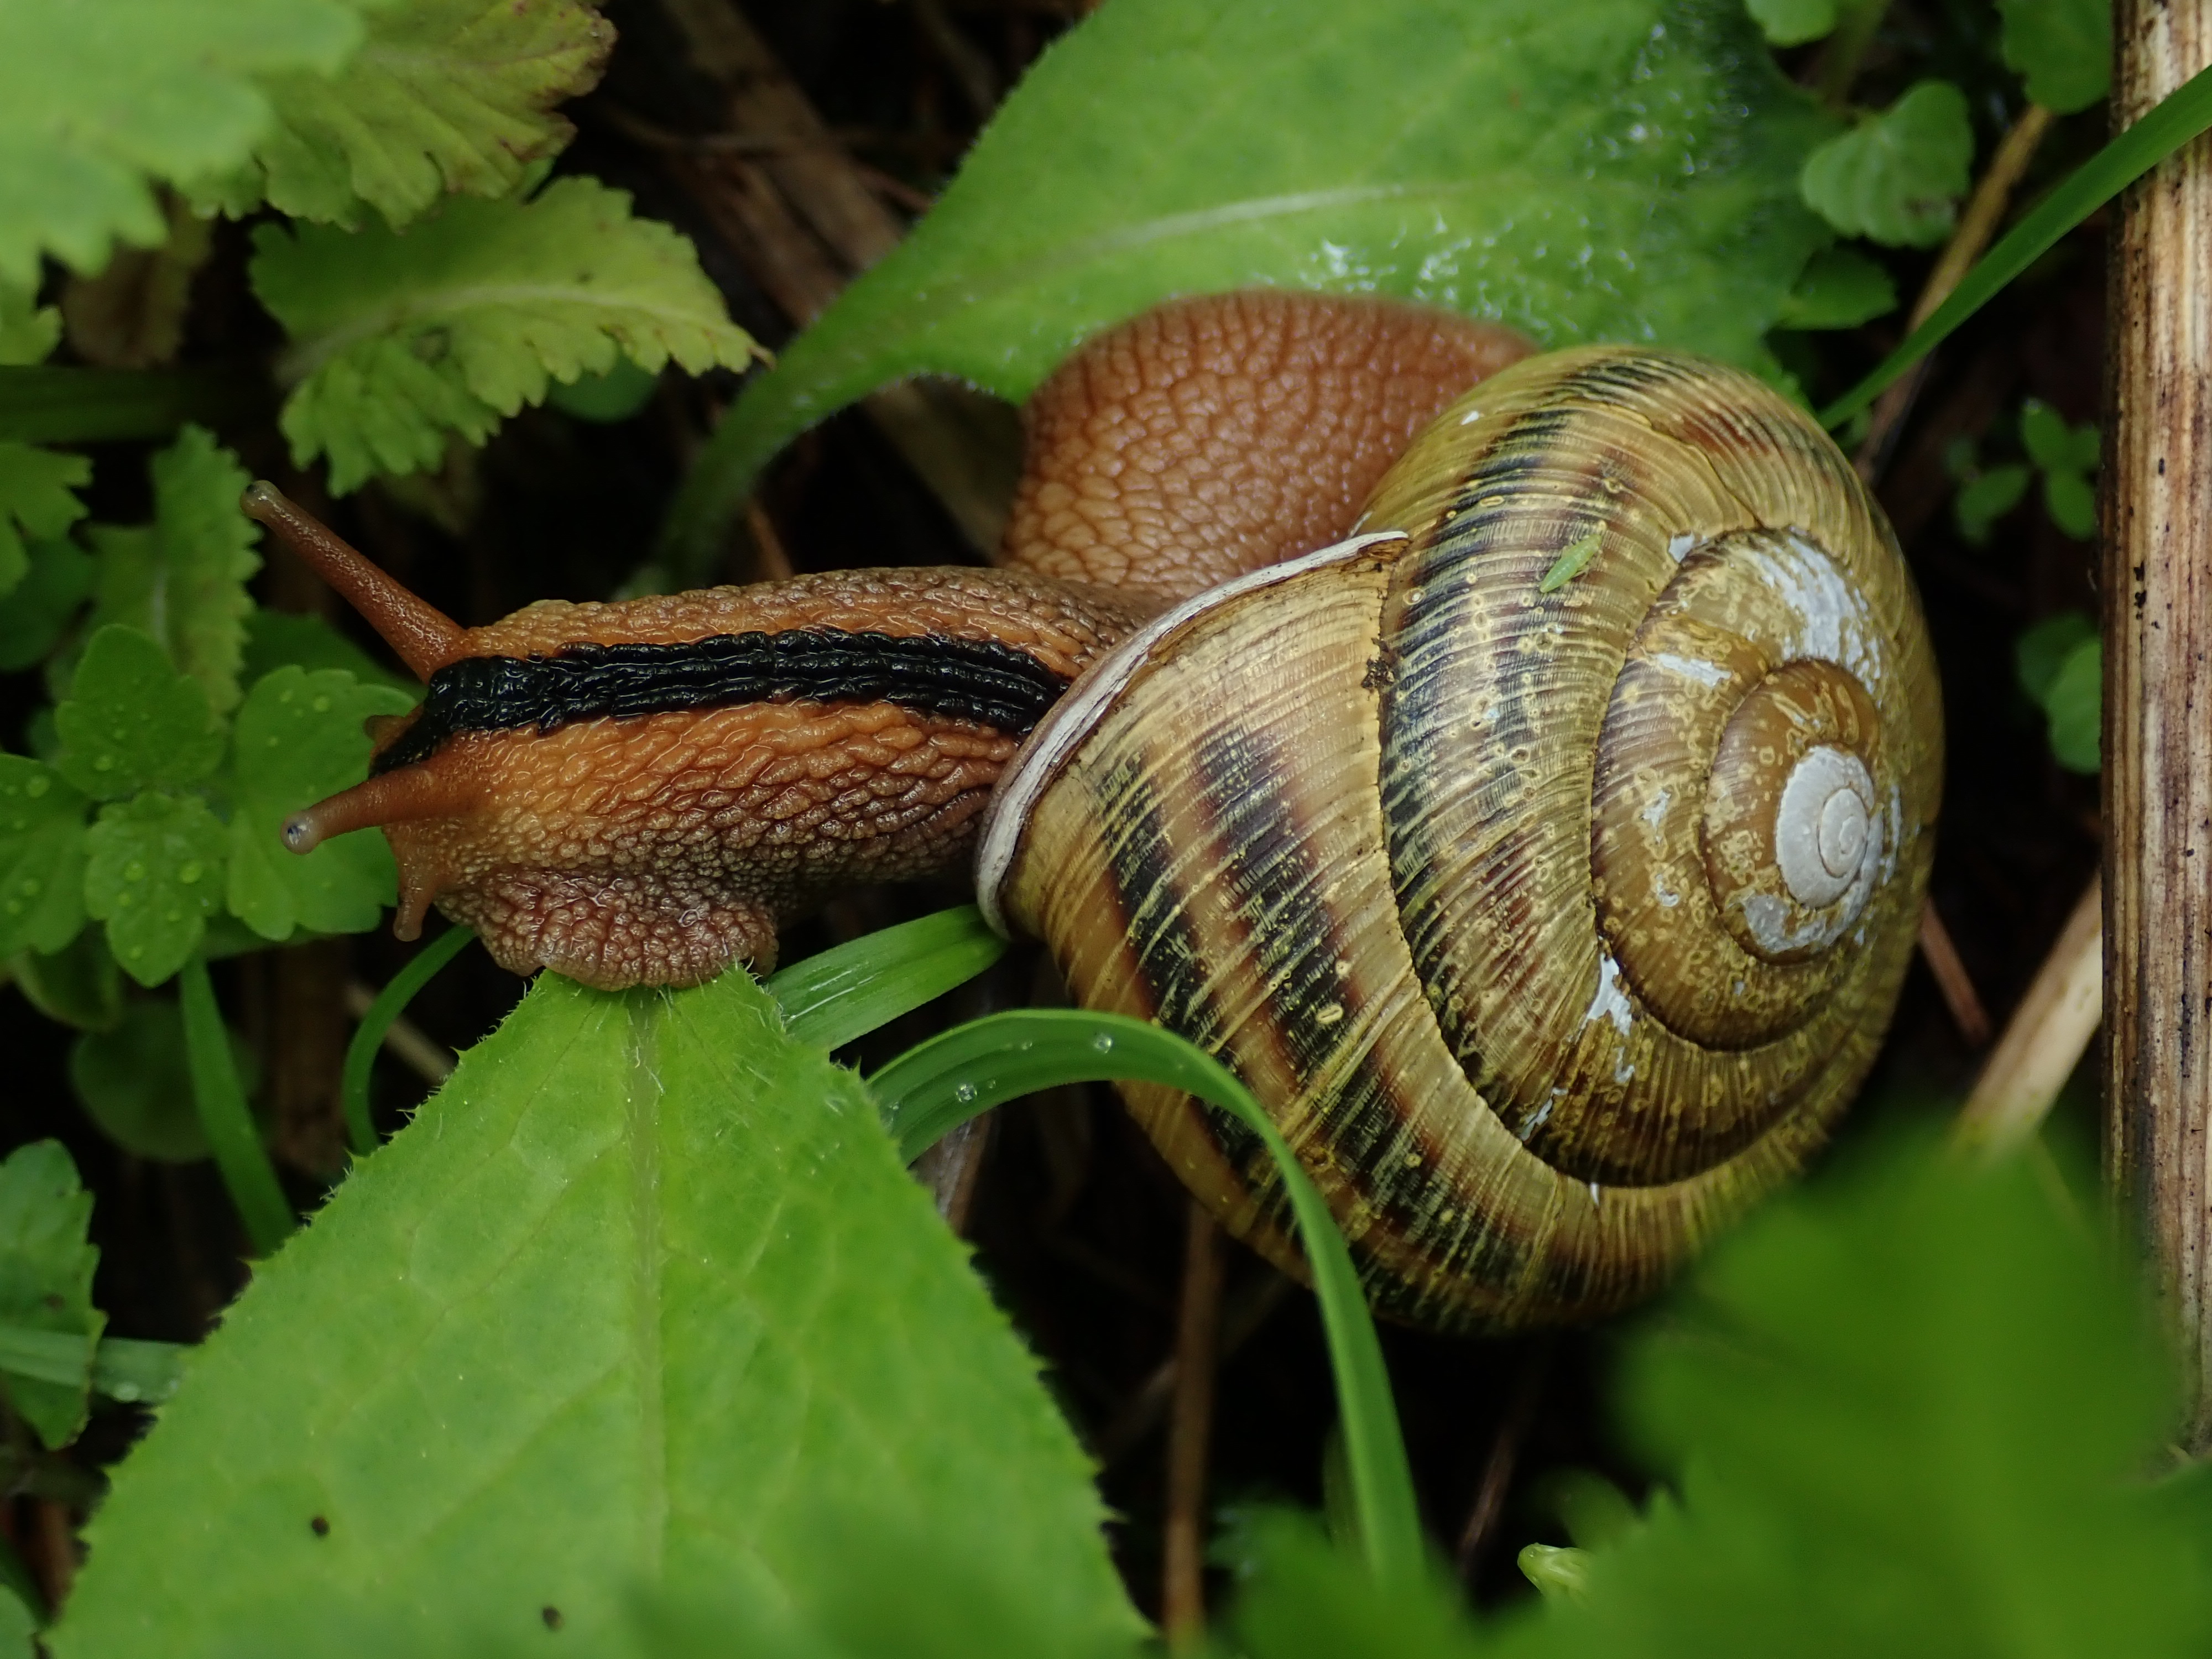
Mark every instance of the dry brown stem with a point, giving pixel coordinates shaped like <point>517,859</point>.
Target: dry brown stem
<point>1952,979</point>
<point>2045,1039</point>
<point>1190,1431</point>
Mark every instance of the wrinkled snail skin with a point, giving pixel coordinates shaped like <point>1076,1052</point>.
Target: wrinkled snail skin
<point>1556,917</point>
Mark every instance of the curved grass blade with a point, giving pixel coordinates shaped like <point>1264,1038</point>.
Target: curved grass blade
<point>850,990</point>
<point>131,1371</point>
<point>941,1084</point>
<point>2180,115</point>
<point>224,1120</point>
<point>390,1001</point>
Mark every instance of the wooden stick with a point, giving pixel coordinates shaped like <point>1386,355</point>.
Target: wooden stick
<point>1190,1432</point>
<point>2045,1039</point>
<point>2157,584</point>
<point>1952,978</point>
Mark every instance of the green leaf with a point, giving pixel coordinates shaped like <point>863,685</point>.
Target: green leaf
<point>368,1037</point>
<point>133,1083</point>
<point>79,984</point>
<point>2045,435</point>
<point>574,1333</point>
<point>1987,497</point>
<point>852,988</point>
<point>443,95</point>
<point>19,1625</point>
<point>398,340</point>
<point>605,398</point>
<point>155,877</point>
<point>2063,48</point>
<point>1897,176</point>
<point>1793,22</point>
<point>1912,1412</point>
<point>219,1100</point>
<point>184,581</point>
<point>276,639</point>
<point>1621,170</point>
<point>2039,653</point>
<point>1302,1597</point>
<point>132,721</point>
<point>2071,502</point>
<point>1839,288</point>
<point>28,331</point>
<point>97,102</point>
<point>42,854</point>
<point>45,1281</point>
<point>298,739</point>
<point>33,618</point>
<point>36,500</point>
<point>2074,703</point>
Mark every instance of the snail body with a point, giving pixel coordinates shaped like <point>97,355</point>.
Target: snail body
<point>1546,857</point>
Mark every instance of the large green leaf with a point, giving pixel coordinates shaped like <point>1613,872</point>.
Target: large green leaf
<point>98,100</point>
<point>37,499</point>
<point>42,850</point>
<point>1621,169</point>
<point>45,1281</point>
<point>636,1298</point>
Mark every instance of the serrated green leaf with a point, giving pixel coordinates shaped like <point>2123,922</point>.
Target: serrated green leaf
<point>2063,48</point>
<point>28,331</point>
<point>443,95</point>
<point>32,617</point>
<point>133,1083</point>
<point>42,853</point>
<point>35,501</point>
<point>45,1279</point>
<point>96,101</point>
<point>2039,652</point>
<point>398,340</point>
<point>278,639</point>
<point>1620,170</point>
<point>1987,498</point>
<point>131,721</point>
<point>184,581</point>
<point>1896,177</point>
<point>298,739</point>
<point>1793,22</point>
<point>2076,704</point>
<point>574,1332</point>
<point>155,875</point>
<point>1839,288</point>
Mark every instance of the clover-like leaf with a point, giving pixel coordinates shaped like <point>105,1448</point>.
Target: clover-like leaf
<point>97,102</point>
<point>2074,703</point>
<point>1793,22</point>
<point>33,618</point>
<point>443,95</point>
<point>1988,497</point>
<point>45,1279</point>
<point>1624,171</point>
<point>1839,288</point>
<point>42,852</point>
<point>2063,48</point>
<point>133,721</point>
<point>276,638</point>
<point>155,875</point>
<point>635,1297</point>
<point>400,340</point>
<point>1896,177</point>
<point>298,739</point>
<point>37,501</point>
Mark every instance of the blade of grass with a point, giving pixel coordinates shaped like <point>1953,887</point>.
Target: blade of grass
<point>2178,118</point>
<point>131,1371</point>
<point>850,990</point>
<point>224,1119</point>
<point>368,1037</point>
<point>973,1068</point>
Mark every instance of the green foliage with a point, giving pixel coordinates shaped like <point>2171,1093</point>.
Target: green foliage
<point>41,857</point>
<point>183,579</point>
<point>133,721</point>
<point>397,341</point>
<point>154,874</point>
<point>299,737</point>
<point>1839,288</point>
<point>1301,1596</point>
<point>91,116</point>
<point>1793,22</point>
<point>1620,170</point>
<point>28,331</point>
<point>32,618</point>
<point>35,500</point>
<point>443,95</point>
<point>2063,48</point>
<point>78,985</point>
<point>643,1260</point>
<point>2066,455</point>
<point>1987,496</point>
<point>46,1282</point>
<point>1897,175</point>
<point>133,1083</point>
<point>853,988</point>
<point>2062,668</point>
<point>278,639</point>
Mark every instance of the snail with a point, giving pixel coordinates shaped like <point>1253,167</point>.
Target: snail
<point>1521,769</point>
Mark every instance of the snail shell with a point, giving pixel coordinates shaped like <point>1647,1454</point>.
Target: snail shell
<point>1549,868</point>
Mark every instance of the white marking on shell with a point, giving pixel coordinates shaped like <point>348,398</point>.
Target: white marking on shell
<point>1691,668</point>
<point>1470,417</point>
<point>1655,813</point>
<point>1597,1200</point>
<point>1833,622</point>
<point>1678,547</point>
<point>1609,1001</point>
<point>1826,832</point>
<point>1666,895</point>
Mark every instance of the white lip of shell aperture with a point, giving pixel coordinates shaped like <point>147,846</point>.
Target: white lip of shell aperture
<point>1070,721</point>
<point>1826,835</point>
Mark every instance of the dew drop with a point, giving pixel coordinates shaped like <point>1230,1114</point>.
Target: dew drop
<point>1103,1043</point>
<point>964,1093</point>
